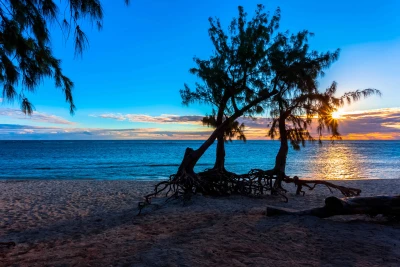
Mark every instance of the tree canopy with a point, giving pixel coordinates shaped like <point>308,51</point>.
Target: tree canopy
<point>26,57</point>
<point>254,70</point>
<point>299,101</point>
<point>232,75</point>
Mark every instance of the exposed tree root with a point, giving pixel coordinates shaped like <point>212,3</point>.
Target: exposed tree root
<point>219,183</point>
<point>311,184</point>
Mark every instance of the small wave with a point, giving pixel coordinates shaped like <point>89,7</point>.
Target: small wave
<point>43,168</point>
<point>161,165</point>
<point>173,165</point>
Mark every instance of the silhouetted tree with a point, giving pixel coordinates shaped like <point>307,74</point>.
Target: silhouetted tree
<point>26,57</point>
<point>232,75</point>
<point>237,76</point>
<point>298,102</point>
<point>251,70</point>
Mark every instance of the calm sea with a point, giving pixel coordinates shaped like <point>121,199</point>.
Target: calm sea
<point>158,159</point>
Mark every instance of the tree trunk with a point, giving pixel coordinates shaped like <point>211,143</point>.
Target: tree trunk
<point>220,154</point>
<point>386,205</point>
<point>192,156</point>
<point>219,164</point>
<point>280,160</point>
<point>186,182</point>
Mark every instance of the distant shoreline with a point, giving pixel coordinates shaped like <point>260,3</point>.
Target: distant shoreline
<point>161,179</point>
<point>183,140</point>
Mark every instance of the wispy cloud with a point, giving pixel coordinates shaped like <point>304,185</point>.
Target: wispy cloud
<point>382,112</point>
<point>163,118</point>
<point>367,124</point>
<point>15,131</point>
<point>395,125</point>
<point>36,116</point>
<point>370,121</point>
<point>383,124</point>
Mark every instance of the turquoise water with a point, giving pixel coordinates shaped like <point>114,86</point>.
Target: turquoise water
<point>158,159</point>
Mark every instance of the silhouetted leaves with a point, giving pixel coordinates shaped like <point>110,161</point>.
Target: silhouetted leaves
<point>237,72</point>
<point>25,47</point>
<point>299,102</point>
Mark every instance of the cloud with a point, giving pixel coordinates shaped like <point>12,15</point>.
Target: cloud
<point>392,125</point>
<point>118,117</point>
<point>163,118</point>
<point>370,121</point>
<point>380,124</point>
<point>1,99</point>
<point>36,116</point>
<point>14,131</point>
<point>383,124</point>
<point>373,136</point>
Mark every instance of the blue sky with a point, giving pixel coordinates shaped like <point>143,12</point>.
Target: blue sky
<point>139,61</point>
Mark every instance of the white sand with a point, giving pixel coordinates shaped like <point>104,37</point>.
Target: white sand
<point>94,223</point>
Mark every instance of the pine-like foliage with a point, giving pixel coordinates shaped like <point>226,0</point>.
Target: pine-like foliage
<point>235,74</point>
<point>26,57</point>
<point>299,102</point>
<point>234,129</point>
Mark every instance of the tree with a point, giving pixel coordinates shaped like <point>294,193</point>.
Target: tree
<point>250,69</point>
<point>231,75</point>
<point>298,102</point>
<point>236,75</point>
<point>25,46</point>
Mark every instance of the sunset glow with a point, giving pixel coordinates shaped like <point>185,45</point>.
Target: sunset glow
<point>335,115</point>
<point>373,124</point>
<point>147,103</point>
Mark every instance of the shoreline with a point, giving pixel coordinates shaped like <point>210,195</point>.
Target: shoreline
<point>3,180</point>
<point>92,222</point>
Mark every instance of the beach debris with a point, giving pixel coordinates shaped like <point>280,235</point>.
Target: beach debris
<point>386,205</point>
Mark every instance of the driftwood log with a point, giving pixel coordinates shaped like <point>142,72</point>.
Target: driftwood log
<point>385,205</point>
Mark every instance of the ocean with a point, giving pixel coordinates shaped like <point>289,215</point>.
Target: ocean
<point>154,160</point>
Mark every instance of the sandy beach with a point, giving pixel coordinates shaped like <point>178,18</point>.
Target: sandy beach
<point>95,223</point>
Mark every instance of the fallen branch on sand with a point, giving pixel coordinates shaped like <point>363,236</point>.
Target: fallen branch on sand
<point>385,205</point>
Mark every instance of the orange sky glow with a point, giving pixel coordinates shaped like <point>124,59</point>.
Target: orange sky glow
<point>374,124</point>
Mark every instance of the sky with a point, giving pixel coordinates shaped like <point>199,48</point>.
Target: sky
<point>127,82</point>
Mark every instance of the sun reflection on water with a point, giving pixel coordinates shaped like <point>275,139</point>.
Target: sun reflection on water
<point>338,162</point>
